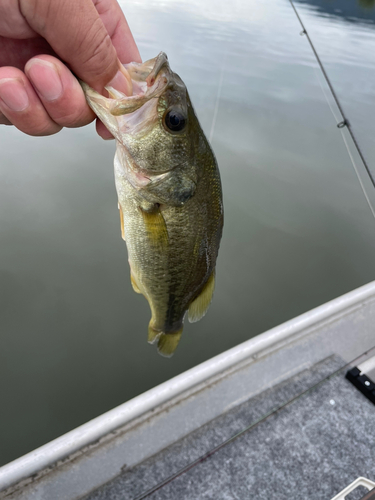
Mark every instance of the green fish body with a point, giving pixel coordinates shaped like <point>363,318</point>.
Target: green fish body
<point>169,194</point>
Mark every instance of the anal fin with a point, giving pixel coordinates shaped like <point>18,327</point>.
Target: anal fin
<point>200,304</point>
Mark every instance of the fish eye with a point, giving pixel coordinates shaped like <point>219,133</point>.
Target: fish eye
<point>174,120</point>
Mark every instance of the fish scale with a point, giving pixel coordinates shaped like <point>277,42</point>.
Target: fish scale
<point>169,193</point>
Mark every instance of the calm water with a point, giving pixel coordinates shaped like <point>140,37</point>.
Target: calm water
<point>298,230</point>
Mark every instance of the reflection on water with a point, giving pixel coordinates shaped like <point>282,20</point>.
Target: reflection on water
<point>352,11</point>
<point>298,231</point>
<point>367,4</point>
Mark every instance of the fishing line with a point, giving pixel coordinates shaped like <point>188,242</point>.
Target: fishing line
<point>218,96</point>
<point>356,169</point>
<point>275,410</point>
<point>358,175</point>
<point>345,121</point>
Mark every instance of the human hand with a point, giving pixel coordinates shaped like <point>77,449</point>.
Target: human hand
<point>42,42</point>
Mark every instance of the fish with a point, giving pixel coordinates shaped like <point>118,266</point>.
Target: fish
<point>169,195</point>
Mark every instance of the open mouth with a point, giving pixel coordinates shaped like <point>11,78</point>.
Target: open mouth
<point>148,80</point>
<point>134,115</point>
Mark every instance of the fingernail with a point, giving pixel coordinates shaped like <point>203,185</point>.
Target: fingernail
<point>45,78</point>
<point>122,81</point>
<point>13,94</point>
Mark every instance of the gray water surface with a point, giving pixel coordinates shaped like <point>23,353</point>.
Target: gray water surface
<point>298,230</point>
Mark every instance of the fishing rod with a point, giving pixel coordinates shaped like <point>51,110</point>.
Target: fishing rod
<point>345,121</point>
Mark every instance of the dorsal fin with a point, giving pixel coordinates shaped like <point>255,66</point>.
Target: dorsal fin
<point>199,306</point>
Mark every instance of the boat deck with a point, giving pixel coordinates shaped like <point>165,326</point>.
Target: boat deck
<point>308,437</point>
<point>273,417</point>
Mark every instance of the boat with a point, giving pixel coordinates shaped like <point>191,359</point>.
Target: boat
<point>278,416</point>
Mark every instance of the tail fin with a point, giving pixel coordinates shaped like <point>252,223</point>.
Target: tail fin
<point>166,342</point>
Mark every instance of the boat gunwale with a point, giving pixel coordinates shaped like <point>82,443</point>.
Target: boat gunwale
<point>181,386</point>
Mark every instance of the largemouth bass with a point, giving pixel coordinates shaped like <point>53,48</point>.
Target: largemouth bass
<point>169,194</point>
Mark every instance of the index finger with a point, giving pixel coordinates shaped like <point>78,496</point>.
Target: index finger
<point>78,35</point>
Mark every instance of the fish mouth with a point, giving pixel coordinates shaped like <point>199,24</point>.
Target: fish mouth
<point>123,114</point>
<point>133,115</point>
<point>148,81</point>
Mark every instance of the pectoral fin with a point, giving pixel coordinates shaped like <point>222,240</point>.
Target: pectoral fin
<point>173,188</point>
<point>156,228</point>
<point>199,306</point>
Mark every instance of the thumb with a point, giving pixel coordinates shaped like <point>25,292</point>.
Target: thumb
<point>78,36</point>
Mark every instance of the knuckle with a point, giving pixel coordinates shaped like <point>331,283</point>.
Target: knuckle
<point>37,13</point>
<point>101,56</point>
<point>45,130</point>
<point>74,119</point>
<point>36,126</point>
